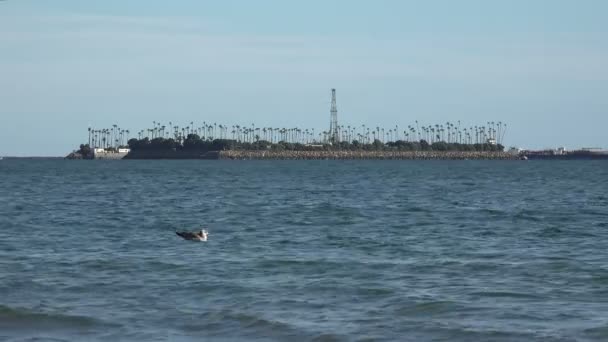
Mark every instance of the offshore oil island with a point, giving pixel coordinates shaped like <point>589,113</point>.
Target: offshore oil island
<point>218,141</point>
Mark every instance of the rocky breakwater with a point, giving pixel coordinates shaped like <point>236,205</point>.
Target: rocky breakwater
<point>353,155</point>
<point>85,152</point>
<point>110,155</point>
<point>171,154</point>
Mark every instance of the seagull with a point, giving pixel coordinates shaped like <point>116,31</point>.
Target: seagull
<point>194,236</point>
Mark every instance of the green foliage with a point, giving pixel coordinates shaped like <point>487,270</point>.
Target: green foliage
<point>194,143</point>
<point>85,151</point>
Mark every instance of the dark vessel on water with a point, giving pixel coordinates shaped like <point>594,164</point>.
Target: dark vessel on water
<point>563,154</point>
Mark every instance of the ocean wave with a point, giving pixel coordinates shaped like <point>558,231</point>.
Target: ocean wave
<point>326,337</point>
<point>225,322</point>
<point>374,291</point>
<point>291,263</point>
<point>428,308</point>
<point>493,211</point>
<point>551,232</point>
<point>469,334</point>
<point>600,333</point>
<point>18,318</point>
<point>528,215</point>
<point>505,294</point>
<point>36,339</point>
<point>418,209</point>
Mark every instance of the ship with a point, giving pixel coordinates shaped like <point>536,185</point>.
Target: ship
<point>563,154</point>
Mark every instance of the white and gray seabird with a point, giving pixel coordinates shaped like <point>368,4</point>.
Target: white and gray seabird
<point>194,236</point>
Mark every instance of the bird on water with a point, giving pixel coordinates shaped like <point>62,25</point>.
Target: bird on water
<point>194,236</point>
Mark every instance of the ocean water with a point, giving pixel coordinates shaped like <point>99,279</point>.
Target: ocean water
<point>304,250</point>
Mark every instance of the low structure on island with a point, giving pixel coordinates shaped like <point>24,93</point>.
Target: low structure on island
<point>120,153</point>
<point>86,152</point>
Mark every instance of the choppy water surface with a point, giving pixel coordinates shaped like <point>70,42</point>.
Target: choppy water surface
<point>325,250</point>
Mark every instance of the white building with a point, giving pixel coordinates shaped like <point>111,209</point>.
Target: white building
<point>514,151</point>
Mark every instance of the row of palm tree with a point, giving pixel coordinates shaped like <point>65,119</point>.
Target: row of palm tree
<point>112,137</point>
<point>450,133</point>
<point>492,132</point>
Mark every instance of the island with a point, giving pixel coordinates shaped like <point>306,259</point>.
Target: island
<point>194,146</point>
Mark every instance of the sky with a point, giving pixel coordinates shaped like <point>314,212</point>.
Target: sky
<point>539,66</point>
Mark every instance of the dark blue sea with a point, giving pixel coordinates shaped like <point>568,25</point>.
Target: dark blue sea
<point>304,250</point>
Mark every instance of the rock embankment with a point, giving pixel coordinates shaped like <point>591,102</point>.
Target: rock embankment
<point>383,155</point>
<point>75,155</point>
<point>110,155</point>
<point>172,155</point>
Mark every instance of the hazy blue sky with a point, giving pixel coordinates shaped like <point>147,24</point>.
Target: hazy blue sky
<point>540,66</point>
